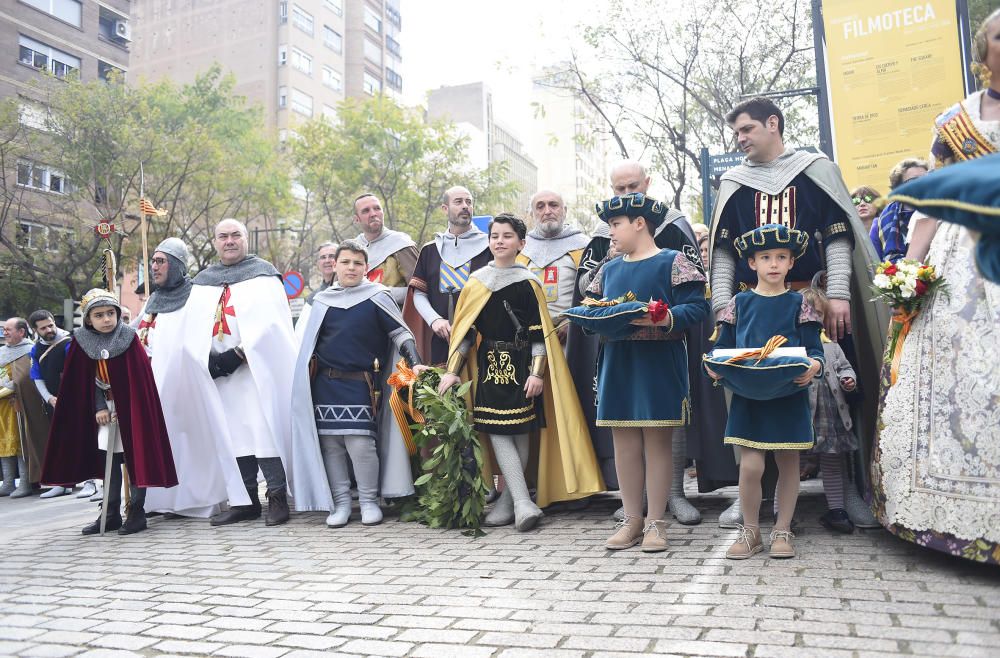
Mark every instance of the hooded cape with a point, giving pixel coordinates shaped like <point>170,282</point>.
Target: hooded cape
<point>31,405</point>
<point>72,455</point>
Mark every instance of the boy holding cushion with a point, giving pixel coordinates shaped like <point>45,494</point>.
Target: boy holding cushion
<point>641,304</point>
<point>770,314</point>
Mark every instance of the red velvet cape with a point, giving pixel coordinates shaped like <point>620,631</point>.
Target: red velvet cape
<point>72,455</point>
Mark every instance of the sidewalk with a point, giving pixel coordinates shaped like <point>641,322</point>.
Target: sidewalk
<point>184,588</point>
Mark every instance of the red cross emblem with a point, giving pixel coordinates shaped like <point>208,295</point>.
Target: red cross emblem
<point>221,324</point>
<point>148,322</point>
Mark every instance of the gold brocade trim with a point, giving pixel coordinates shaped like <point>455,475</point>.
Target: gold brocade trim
<point>641,423</point>
<point>500,369</point>
<point>763,445</point>
<point>947,203</point>
<point>503,412</point>
<point>770,294</point>
<point>535,327</point>
<point>512,421</point>
<point>602,317</point>
<point>708,360</point>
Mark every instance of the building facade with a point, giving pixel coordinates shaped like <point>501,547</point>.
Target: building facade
<point>470,108</point>
<point>296,58</point>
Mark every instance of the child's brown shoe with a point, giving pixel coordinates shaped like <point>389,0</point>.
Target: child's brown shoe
<point>748,543</point>
<point>654,537</point>
<point>629,533</point>
<point>781,544</point>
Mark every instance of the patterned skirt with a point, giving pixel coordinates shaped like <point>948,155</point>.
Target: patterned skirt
<point>10,440</point>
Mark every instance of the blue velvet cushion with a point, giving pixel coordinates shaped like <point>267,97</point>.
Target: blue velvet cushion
<point>767,380</point>
<point>612,322</point>
<point>966,193</point>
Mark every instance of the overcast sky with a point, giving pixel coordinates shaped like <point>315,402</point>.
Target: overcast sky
<point>450,42</point>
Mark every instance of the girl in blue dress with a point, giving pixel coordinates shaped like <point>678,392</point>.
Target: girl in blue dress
<point>782,425</point>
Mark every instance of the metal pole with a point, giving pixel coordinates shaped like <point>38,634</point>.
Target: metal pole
<point>823,91</point>
<point>706,188</point>
<point>964,39</point>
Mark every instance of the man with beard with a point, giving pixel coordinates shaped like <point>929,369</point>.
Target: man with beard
<point>47,359</point>
<point>28,433</point>
<point>443,268</point>
<point>804,191</point>
<point>392,255</point>
<point>201,486</point>
<point>238,358</point>
<point>716,465</point>
<point>552,252</point>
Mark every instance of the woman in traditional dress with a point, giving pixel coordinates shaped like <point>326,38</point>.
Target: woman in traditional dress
<point>936,472</point>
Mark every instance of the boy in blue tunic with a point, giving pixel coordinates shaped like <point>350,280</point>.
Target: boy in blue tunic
<point>782,425</point>
<point>642,379</point>
<point>347,348</point>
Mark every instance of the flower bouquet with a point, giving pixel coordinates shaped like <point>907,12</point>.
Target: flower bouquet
<point>904,286</point>
<point>451,491</point>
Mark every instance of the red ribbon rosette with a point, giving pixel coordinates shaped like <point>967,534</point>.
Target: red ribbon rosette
<point>658,310</point>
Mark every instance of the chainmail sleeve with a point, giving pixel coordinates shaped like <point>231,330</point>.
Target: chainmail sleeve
<point>723,275</point>
<point>838,270</point>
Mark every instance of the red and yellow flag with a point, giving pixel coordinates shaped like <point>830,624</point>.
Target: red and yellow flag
<point>148,208</point>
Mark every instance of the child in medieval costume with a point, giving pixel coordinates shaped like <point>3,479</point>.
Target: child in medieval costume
<point>503,329</point>
<point>354,336</point>
<point>832,422</point>
<point>643,371</point>
<point>770,314</point>
<point>111,404</point>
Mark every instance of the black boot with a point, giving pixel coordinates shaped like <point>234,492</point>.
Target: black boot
<point>114,488</point>
<point>277,507</point>
<point>136,519</point>
<point>237,513</point>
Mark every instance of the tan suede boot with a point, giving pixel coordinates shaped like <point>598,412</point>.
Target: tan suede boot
<point>629,533</point>
<point>654,537</point>
<point>747,544</point>
<point>781,544</point>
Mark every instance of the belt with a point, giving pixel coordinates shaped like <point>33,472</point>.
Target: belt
<point>505,346</point>
<point>357,376</point>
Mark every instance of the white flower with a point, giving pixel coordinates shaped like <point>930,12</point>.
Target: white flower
<point>906,292</point>
<point>881,281</point>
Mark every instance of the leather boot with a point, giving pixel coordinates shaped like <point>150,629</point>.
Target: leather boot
<point>238,513</point>
<point>628,534</point>
<point>136,519</point>
<point>277,507</point>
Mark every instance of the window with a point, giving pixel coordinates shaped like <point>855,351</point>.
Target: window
<point>282,97</point>
<point>40,56</point>
<point>332,79</point>
<point>302,20</point>
<point>373,20</point>
<point>32,235</point>
<point>302,61</point>
<point>70,11</point>
<point>370,84</point>
<point>283,12</point>
<point>330,114</point>
<point>302,103</point>
<point>332,39</point>
<point>336,6</point>
<point>282,55</point>
<point>106,71</point>
<point>40,177</point>
<point>373,52</point>
<point>393,47</point>
<point>394,80</point>
<point>392,14</point>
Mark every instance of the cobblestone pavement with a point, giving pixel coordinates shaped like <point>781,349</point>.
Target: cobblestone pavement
<point>184,588</point>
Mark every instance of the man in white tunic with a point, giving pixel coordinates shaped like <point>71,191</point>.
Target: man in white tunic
<point>239,354</point>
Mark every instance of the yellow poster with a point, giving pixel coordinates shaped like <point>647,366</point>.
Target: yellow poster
<point>893,66</point>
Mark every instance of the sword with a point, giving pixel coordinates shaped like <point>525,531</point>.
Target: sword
<point>518,329</point>
<point>450,290</point>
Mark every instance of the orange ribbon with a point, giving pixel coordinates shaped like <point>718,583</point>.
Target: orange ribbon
<point>404,377</point>
<point>904,320</point>
<point>762,353</point>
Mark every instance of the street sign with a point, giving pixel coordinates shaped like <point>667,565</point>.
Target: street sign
<point>295,306</point>
<point>295,283</point>
<point>720,164</point>
<point>482,222</point>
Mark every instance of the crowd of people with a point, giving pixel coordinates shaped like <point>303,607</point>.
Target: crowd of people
<point>590,359</point>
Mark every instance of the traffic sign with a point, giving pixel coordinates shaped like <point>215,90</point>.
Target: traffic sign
<point>295,283</point>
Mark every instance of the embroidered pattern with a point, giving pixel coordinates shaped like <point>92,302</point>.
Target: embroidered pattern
<point>684,271</point>
<point>343,413</point>
<point>808,313</point>
<point>777,208</point>
<point>728,314</point>
<point>221,326</point>
<point>500,370</point>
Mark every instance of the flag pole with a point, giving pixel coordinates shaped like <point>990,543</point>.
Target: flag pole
<point>143,232</point>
